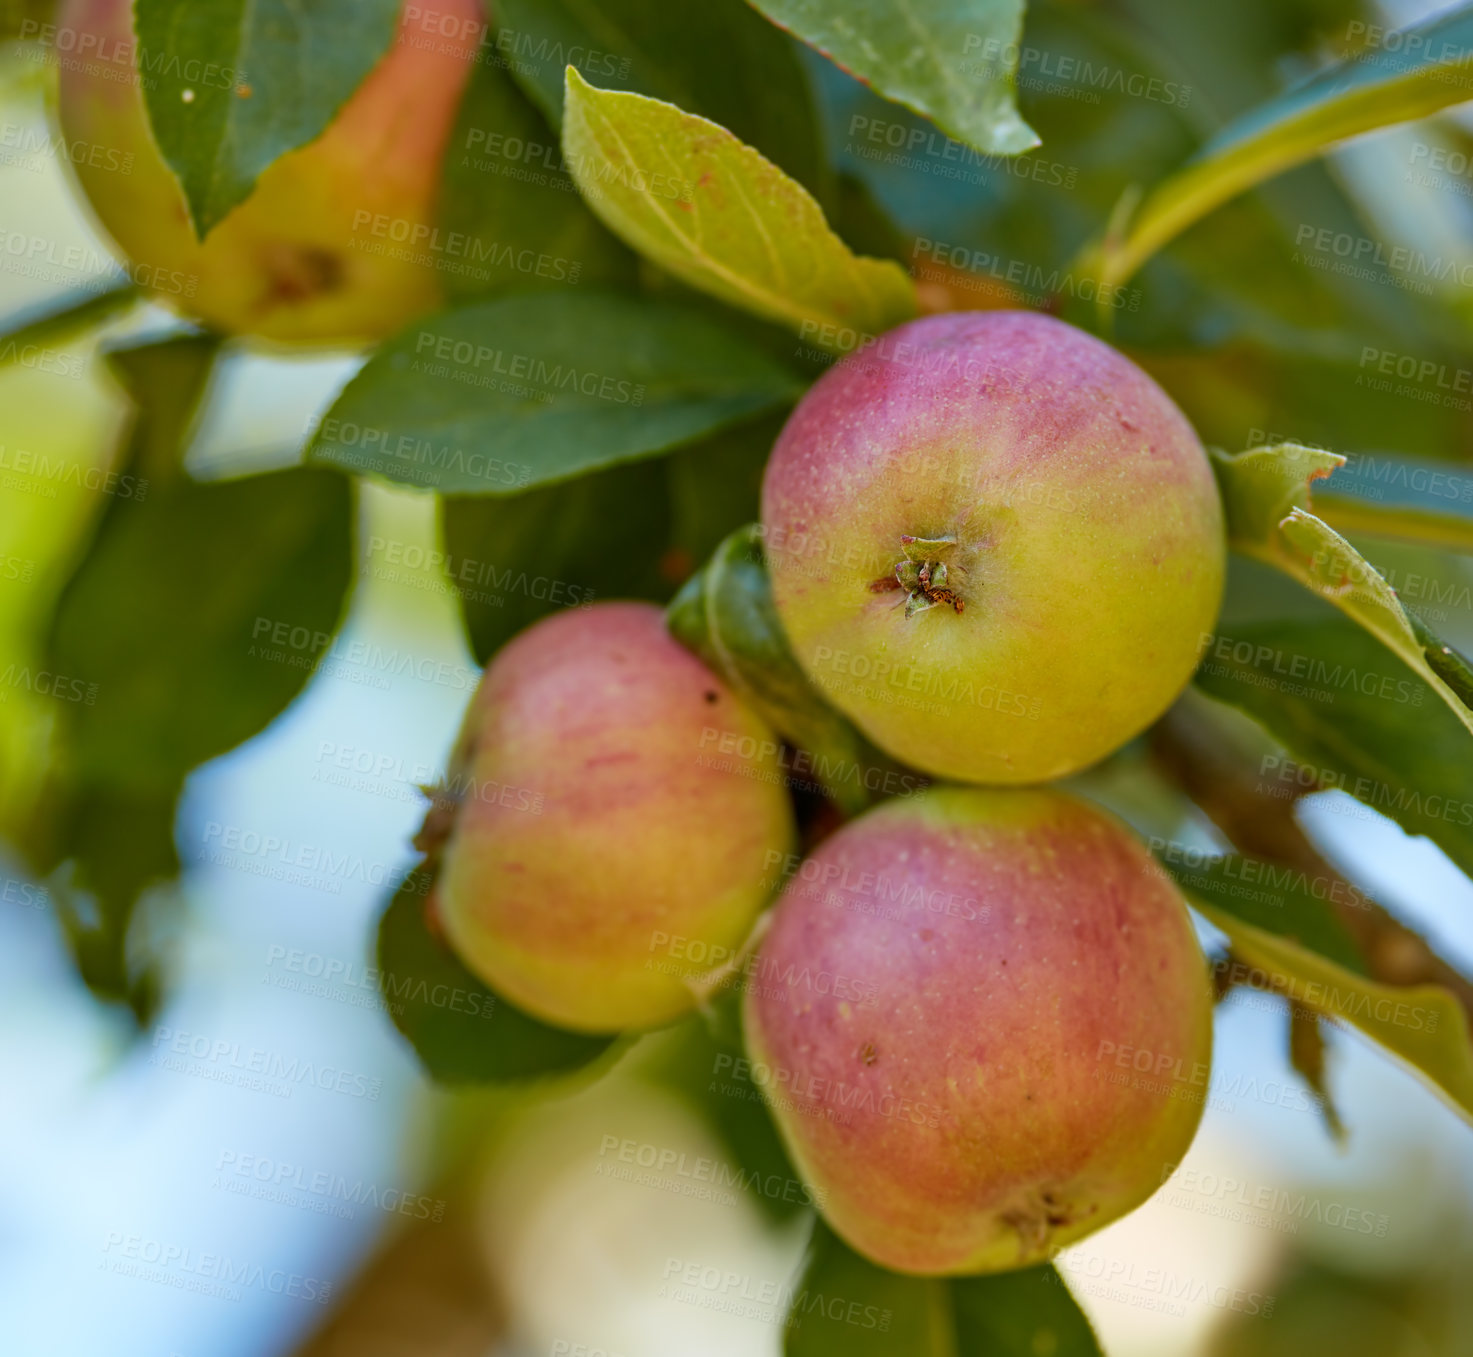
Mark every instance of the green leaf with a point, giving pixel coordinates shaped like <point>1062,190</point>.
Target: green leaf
<point>234,84</point>
<point>1399,497</point>
<point>846,1306</point>
<point>717,58</point>
<point>521,391</point>
<point>564,546</point>
<point>716,486</point>
<point>119,843</point>
<point>507,192</point>
<point>1020,1314</point>
<point>1270,896</point>
<point>55,323</point>
<point>1266,495</point>
<point>725,615</point>
<point>1324,690</point>
<point>1409,74</point>
<point>690,196</point>
<point>702,1061</point>
<point>173,613</point>
<point>160,624</point>
<point>955,61</point>
<point>23,18</point>
<point>461,1031</point>
<point>1422,1025</point>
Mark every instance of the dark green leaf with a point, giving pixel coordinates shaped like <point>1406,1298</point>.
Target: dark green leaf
<point>1020,1314</point>
<point>461,1031</point>
<point>522,391</point>
<point>23,18</point>
<point>57,322</point>
<point>702,1061</point>
<point>116,833</point>
<point>119,843</point>
<point>725,614</point>
<point>1351,712</point>
<point>1275,898</point>
<point>506,191</point>
<point>515,560</point>
<point>716,485</point>
<point>234,84</point>
<point>846,1306</point>
<point>187,616</point>
<point>716,58</point>
<point>952,60</point>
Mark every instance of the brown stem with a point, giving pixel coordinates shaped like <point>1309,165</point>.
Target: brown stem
<point>1196,751</point>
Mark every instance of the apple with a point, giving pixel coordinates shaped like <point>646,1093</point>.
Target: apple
<point>316,254</point>
<point>995,544</point>
<point>984,1026</point>
<point>618,812</point>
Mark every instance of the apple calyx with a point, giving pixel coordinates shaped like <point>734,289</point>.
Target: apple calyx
<point>923,575</point>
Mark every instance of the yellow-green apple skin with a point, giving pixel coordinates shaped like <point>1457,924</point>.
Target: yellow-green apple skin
<point>1077,518</point>
<point>1021,1044</point>
<point>620,811</point>
<point>317,253</point>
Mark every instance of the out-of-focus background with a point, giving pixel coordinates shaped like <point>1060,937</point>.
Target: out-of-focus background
<point>155,1203</point>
